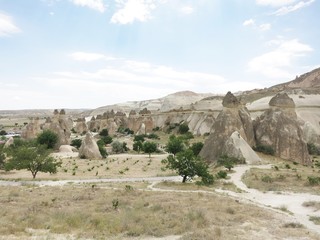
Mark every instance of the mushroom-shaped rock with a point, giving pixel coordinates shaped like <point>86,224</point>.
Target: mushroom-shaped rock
<point>89,148</point>
<point>230,101</point>
<point>282,100</point>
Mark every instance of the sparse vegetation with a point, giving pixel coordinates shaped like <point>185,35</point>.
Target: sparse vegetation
<point>76,143</point>
<point>313,149</point>
<point>264,149</point>
<point>228,161</point>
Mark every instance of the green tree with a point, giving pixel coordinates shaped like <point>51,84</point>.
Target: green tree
<point>76,143</point>
<point>187,165</point>
<point>174,145</point>
<point>119,147</point>
<point>48,138</point>
<point>102,148</point>
<point>139,138</point>
<point>104,132</point>
<point>196,148</point>
<point>107,139</point>
<point>183,128</point>
<point>149,147</point>
<point>3,132</point>
<point>137,146</point>
<point>228,162</point>
<point>34,159</point>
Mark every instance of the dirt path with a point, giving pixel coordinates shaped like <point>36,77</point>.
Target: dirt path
<point>291,202</point>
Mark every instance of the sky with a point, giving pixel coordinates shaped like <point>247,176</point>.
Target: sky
<point>92,53</point>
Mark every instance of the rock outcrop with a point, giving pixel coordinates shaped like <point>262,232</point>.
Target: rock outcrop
<point>279,128</point>
<point>89,148</point>
<point>234,117</point>
<point>32,129</point>
<point>81,126</point>
<point>61,125</point>
<point>237,147</point>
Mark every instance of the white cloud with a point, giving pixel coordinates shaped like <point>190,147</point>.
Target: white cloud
<point>133,10</point>
<point>187,10</point>
<point>249,22</point>
<point>276,63</point>
<point>93,4</point>
<point>89,57</point>
<point>275,3</point>
<point>7,27</point>
<point>288,9</point>
<point>265,27</point>
<point>252,23</point>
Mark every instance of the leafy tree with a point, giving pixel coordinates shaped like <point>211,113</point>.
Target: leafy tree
<point>48,138</point>
<point>137,146</point>
<point>153,136</point>
<point>174,145</point>
<point>104,132</point>
<point>76,143</point>
<point>102,149</point>
<point>196,148</point>
<point>139,138</point>
<point>149,147</point>
<point>3,132</point>
<point>183,128</point>
<point>228,162</point>
<point>34,159</point>
<point>107,139</point>
<point>119,147</point>
<point>187,165</point>
<point>313,149</point>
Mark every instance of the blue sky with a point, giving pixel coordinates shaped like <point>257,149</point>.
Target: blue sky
<point>91,53</point>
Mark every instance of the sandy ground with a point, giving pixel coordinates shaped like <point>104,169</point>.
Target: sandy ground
<point>293,202</point>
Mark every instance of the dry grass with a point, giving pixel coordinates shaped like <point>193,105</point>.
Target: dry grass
<point>284,176</point>
<point>115,166</point>
<point>86,212</point>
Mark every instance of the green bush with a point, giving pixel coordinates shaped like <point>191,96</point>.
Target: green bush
<point>222,174</point>
<point>119,147</point>
<point>3,132</point>
<point>106,139</point>
<point>196,148</point>
<point>48,138</point>
<point>104,132</point>
<point>314,180</point>
<point>183,128</point>
<point>153,136</point>
<point>264,149</point>
<point>76,143</point>
<point>313,149</point>
<point>138,138</point>
<point>102,149</point>
<point>267,179</point>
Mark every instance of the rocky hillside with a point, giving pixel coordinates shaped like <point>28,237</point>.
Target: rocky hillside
<point>179,100</point>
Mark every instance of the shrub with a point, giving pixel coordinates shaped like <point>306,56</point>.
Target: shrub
<point>222,174</point>
<point>183,128</point>
<point>107,139</point>
<point>153,136</point>
<point>314,180</point>
<point>196,147</point>
<point>3,132</point>
<point>48,138</point>
<point>137,146</point>
<point>313,149</point>
<point>149,147</point>
<point>76,143</point>
<point>264,149</point>
<point>267,179</point>
<point>228,162</point>
<point>102,149</point>
<point>119,147</point>
<point>139,138</point>
<point>104,132</point>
